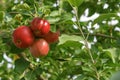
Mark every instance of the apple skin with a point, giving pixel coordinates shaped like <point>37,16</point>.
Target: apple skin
<point>39,48</point>
<point>52,37</point>
<point>40,26</point>
<point>22,37</point>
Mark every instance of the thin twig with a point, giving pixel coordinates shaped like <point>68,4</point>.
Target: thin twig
<point>79,27</point>
<point>21,13</point>
<point>86,42</point>
<point>96,34</point>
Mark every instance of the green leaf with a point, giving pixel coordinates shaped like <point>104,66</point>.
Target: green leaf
<point>1,57</point>
<point>24,6</point>
<point>64,38</point>
<point>74,44</point>
<point>103,17</point>
<point>14,49</point>
<point>30,75</point>
<point>53,20</point>
<point>115,76</point>
<point>80,77</point>
<point>54,13</point>
<point>22,79</point>
<point>112,53</point>
<point>75,3</point>
<point>2,14</point>
<point>66,17</point>
<point>20,65</point>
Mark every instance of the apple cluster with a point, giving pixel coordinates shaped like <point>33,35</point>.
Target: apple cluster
<point>36,37</point>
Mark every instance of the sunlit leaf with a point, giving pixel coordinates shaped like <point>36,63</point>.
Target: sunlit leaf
<point>112,53</point>
<point>53,20</point>
<point>76,2</point>
<point>64,38</point>
<point>54,13</point>
<point>24,6</point>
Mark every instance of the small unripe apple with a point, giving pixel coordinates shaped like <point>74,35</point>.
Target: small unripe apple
<point>39,48</point>
<point>22,37</point>
<point>40,26</point>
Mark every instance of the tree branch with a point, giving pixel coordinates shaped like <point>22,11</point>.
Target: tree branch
<point>30,14</point>
<point>97,34</point>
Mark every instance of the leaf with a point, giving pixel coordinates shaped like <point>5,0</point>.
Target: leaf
<point>1,57</point>
<point>24,6</point>
<point>30,75</point>
<point>116,76</point>
<point>22,79</point>
<point>102,17</point>
<point>2,14</point>
<point>14,49</point>
<point>53,20</point>
<point>66,17</point>
<point>74,44</point>
<point>20,65</point>
<point>54,13</point>
<point>112,53</point>
<point>76,3</point>
<point>64,38</point>
<point>80,77</point>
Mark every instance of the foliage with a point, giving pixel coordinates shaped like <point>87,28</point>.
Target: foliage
<point>88,49</point>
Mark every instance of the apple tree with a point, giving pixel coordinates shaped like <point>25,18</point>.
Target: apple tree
<point>86,36</point>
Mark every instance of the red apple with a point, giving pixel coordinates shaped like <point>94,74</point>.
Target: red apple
<point>52,37</point>
<point>22,37</point>
<point>40,26</point>
<point>39,48</point>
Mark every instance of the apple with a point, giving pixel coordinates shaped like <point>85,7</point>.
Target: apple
<point>39,48</point>
<point>52,37</point>
<point>22,37</point>
<point>40,26</point>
